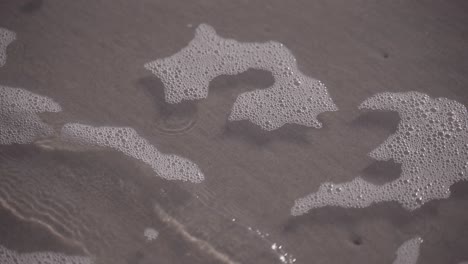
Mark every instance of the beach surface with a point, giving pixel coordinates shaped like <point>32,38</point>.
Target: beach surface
<point>89,55</point>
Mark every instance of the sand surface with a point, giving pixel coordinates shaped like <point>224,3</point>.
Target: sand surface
<point>89,55</point>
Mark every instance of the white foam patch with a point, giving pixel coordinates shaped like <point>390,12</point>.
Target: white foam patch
<point>293,98</point>
<point>8,256</point>
<point>19,122</point>
<point>6,37</point>
<point>150,234</point>
<point>127,141</point>
<point>408,252</point>
<point>431,143</point>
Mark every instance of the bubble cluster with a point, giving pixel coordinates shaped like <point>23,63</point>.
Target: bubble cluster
<point>6,37</point>
<point>127,141</point>
<point>19,122</point>
<point>408,252</point>
<point>8,256</point>
<point>283,256</point>
<point>431,143</point>
<point>150,234</point>
<point>293,98</point>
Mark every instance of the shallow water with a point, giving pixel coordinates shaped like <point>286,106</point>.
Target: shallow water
<point>88,56</point>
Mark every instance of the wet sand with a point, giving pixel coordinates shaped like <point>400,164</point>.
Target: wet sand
<point>89,55</point>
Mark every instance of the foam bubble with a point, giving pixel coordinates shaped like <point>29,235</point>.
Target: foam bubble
<point>127,141</point>
<point>431,143</point>
<point>8,256</point>
<point>408,252</point>
<point>6,37</point>
<point>293,98</point>
<point>150,234</point>
<point>19,122</point>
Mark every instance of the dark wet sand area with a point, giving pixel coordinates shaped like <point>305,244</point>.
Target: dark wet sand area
<point>89,55</point>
